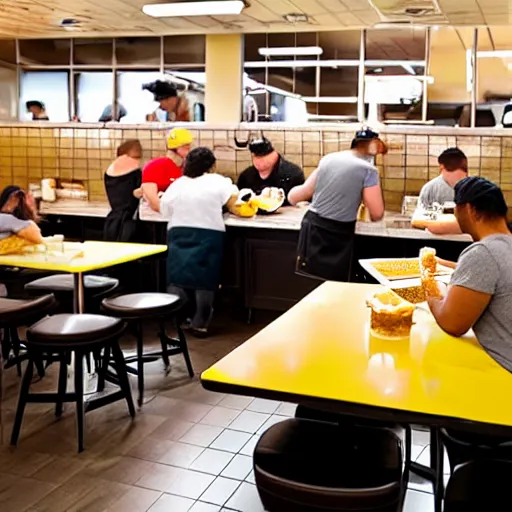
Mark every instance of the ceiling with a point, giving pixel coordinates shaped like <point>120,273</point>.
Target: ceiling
<point>41,18</point>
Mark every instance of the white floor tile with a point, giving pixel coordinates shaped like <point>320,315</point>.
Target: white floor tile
<point>418,502</point>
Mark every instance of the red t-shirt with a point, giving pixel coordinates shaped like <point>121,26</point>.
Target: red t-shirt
<point>161,171</point>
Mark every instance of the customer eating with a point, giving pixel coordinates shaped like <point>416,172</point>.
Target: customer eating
<point>337,187</point>
<point>122,179</point>
<point>160,172</point>
<point>453,167</point>
<point>196,233</point>
<point>18,216</point>
<point>480,292</point>
<point>269,170</point>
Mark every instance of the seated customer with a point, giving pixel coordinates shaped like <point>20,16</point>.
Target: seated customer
<point>18,216</point>
<point>480,292</point>
<point>453,166</point>
<point>196,233</point>
<point>122,178</point>
<point>269,169</point>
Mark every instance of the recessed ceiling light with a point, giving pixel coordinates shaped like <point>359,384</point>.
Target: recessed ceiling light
<point>296,17</point>
<point>206,8</point>
<point>292,50</point>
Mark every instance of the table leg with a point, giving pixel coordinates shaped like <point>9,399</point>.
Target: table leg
<point>78,293</point>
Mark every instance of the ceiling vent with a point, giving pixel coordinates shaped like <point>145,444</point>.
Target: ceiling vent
<point>416,11</point>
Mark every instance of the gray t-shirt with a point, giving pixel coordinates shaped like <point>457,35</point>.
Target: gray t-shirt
<point>339,185</point>
<point>9,225</point>
<point>436,191</point>
<point>486,267</point>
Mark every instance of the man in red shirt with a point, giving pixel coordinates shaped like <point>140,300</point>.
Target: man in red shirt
<point>159,173</point>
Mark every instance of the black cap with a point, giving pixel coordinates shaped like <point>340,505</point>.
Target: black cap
<point>363,134</point>
<point>484,195</point>
<point>261,147</point>
<point>37,104</point>
<point>161,90</point>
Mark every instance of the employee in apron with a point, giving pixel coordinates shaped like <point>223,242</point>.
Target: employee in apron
<point>337,187</point>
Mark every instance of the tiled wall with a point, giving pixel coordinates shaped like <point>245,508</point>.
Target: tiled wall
<point>31,152</point>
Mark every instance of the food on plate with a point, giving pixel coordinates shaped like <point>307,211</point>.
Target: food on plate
<point>428,261</point>
<point>14,244</point>
<point>391,316</point>
<point>398,268</point>
<point>271,199</point>
<point>412,294</point>
<point>248,204</point>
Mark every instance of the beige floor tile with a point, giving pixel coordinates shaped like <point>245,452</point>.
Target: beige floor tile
<point>124,470</point>
<point>181,455</point>
<point>135,500</point>
<point>220,416</point>
<point>201,435</point>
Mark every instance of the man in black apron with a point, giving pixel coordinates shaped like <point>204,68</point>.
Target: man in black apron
<point>342,181</point>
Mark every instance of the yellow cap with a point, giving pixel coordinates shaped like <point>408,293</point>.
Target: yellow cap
<point>179,137</point>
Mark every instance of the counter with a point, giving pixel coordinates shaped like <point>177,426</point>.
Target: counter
<point>288,218</point>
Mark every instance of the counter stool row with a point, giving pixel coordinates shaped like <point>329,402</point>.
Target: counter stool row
<point>68,338</point>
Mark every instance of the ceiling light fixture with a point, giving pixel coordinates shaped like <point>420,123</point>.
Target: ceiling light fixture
<point>206,8</point>
<point>290,51</point>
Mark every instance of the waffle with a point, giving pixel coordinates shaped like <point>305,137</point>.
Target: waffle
<point>412,294</point>
<point>13,245</point>
<point>428,261</point>
<point>398,268</point>
<point>391,316</point>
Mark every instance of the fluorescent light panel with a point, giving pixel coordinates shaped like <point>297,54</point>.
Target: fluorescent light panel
<point>330,99</point>
<point>299,50</point>
<point>207,8</point>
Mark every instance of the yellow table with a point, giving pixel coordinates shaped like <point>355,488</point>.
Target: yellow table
<point>96,255</point>
<point>320,353</point>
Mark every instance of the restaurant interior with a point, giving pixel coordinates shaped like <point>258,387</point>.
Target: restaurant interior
<point>340,385</point>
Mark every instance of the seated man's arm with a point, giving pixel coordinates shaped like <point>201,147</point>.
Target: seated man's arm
<point>444,227</point>
<point>303,192</point>
<point>472,286</point>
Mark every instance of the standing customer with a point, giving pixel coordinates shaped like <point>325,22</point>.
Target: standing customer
<point>122,179</point>
<point>159,173</point>
<point>269,170</point>
<point>196,234</point>
<point>337,187</point>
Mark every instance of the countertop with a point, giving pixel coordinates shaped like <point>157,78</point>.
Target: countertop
<point>288,218</point>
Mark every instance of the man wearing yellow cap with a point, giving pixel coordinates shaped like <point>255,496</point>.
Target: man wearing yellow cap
<point>160,172</point>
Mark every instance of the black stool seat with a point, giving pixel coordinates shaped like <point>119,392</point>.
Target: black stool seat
<point>479,486</point>
<point>61,337</point>
<point>65,283</point>
<point>162,307</point>
<point>14,312</point>
<point>142,305</point>
<point>74,330</point>
<point>312,466</point>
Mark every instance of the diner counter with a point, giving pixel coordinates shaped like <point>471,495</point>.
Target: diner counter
<point>288,218</point>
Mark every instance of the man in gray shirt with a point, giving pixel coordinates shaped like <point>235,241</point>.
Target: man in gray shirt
<point>453,166</point>
<point>480,291</point>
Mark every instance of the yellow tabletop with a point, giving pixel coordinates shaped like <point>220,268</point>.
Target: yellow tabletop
<point>96,255</point>
<point>322,350</point>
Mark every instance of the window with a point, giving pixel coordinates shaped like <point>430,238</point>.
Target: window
<point>52,52</point>
<point>137,102</point>
<point>138,51</point>
<point>49,87</point>
<point>94,93</point>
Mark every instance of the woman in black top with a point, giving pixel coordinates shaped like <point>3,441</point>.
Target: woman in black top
<point>122,178</point>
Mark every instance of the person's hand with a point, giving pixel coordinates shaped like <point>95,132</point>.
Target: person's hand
<point>137,193</point>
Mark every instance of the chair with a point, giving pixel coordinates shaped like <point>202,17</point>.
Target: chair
<point>96,288</point>
<point>311,466</point>
<point>65,336</point>
<point>18,313</point>
<point>463,447</point>
<point>479,486</point>
<point>136,308</point>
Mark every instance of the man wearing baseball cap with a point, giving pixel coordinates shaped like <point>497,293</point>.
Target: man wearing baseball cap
<point>337,187</point>
<point>269,169</point>
<point>159,173</point>
<point>174,105</point>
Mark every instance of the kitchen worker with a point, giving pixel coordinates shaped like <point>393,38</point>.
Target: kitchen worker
<point>479,295</point>
<point>269,170</point>
<point>175,106</point>
<point>160,172</point>
<point>196,232</point>
<point>337,187</point>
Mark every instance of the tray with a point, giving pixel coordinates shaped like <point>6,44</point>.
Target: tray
<point>443,274</point>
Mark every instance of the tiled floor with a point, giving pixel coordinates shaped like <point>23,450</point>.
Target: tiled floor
<point>187,450</point>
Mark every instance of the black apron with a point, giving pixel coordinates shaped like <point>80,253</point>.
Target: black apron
<point>325,248</point>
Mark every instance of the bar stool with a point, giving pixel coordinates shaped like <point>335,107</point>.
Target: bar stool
<point>312,466</point>
<point>62,286</point>
<point>478,486</point>
<point>162,307</point>
<point>65,335</point>
<point>18,313</point>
